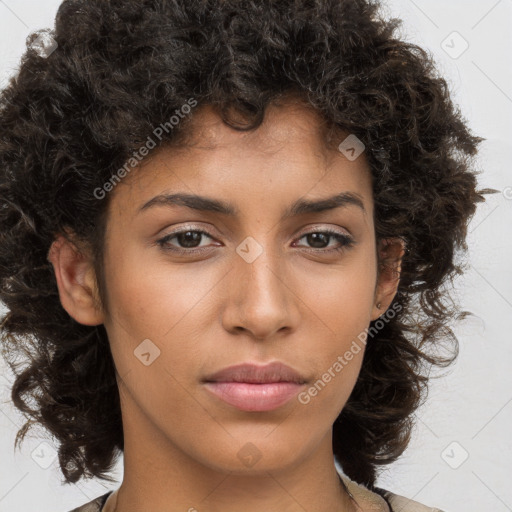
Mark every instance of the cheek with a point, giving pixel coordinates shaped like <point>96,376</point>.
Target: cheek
<point>339,305</point>
<point>150,329</point>
<point>337,353</point>
<point>342,297</point>
<point>154,299</point>
<point>164,305</point>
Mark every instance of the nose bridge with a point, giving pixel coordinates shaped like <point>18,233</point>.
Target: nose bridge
<point>260,301</point>
<point>261,269</point>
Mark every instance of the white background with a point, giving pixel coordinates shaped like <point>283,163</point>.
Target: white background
<point>471,405</point>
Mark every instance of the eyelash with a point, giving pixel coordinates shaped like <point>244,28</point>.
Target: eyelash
<point>346,241</point>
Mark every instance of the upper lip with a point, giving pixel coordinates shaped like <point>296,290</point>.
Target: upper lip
<point>257,374</point>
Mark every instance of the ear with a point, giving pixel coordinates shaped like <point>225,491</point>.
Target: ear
<point>391,251</point>
<point>76,281</point>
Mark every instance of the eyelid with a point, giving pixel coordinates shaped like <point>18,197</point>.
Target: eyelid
<point>188,227</point>
<point>323,227</point>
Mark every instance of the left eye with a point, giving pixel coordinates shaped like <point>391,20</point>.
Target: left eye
<point>322,237</point>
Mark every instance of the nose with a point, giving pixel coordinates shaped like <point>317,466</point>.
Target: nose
<point>260,298</point>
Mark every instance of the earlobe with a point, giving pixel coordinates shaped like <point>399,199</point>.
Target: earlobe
<point>76,281</point>
<point>391,251</point>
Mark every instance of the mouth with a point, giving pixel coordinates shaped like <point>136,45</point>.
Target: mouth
<point>254,397</point>
<point>252,387</point>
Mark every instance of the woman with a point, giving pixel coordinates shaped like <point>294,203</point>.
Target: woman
<point>225,231</point>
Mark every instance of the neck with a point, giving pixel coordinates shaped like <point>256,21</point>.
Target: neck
<point>158,475</point>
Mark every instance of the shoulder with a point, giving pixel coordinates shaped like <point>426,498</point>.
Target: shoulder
<point>383,500</point>
<point>404,504</point>
<point>94,505</point>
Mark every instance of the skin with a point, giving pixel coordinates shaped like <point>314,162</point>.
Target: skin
<point>296,302</point>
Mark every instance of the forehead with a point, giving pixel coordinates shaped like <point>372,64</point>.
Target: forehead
<point>293,153</point>
<point>289,121</point>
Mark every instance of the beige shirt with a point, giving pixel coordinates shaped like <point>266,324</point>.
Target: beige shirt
<point>367,500</point>
<point>372,502</point>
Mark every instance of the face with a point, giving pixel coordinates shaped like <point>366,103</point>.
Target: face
<point>192,291</point>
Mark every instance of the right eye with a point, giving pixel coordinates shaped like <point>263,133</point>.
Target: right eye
<point>189,239</point>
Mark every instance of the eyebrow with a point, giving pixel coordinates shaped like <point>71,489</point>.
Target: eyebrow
<point>301,206</point>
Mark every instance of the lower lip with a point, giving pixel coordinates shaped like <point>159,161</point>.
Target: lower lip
<point>254,397</point>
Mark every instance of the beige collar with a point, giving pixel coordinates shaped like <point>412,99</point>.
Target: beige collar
<point>367,500</point>
<point>110,504</point>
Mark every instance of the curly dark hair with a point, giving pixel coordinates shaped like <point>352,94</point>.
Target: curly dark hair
<point>122,67</point>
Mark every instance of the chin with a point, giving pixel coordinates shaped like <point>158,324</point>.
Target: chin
<point>253,455</point>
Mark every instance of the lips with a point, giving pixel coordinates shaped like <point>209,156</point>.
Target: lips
<point>252,387</point>
<point>257,374</point>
